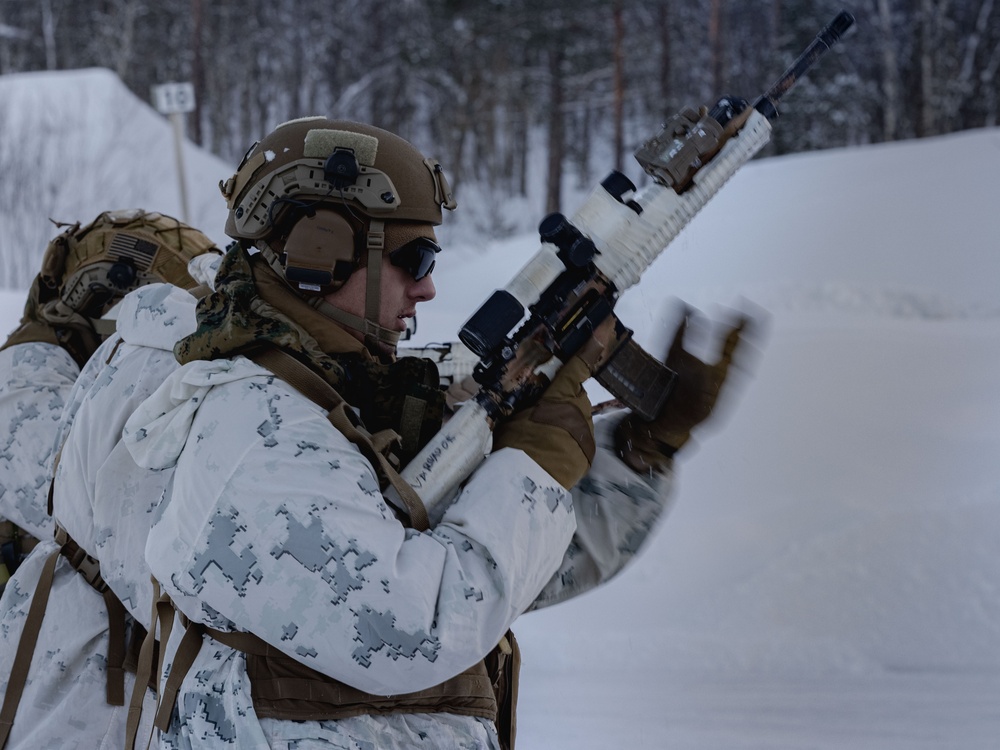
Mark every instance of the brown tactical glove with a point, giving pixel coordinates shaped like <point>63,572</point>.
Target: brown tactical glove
<point>649,446</point>
<point>557,432</point>
<point>459,392</point>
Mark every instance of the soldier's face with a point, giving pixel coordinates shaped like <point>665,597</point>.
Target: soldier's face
<point>400,294</point>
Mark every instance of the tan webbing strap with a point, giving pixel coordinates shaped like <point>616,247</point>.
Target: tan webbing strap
<point>297,375</point>
<point>317,390</point>
<point>187,651</point>
<point>116,649</point>
<point>414,505</point>
<point>506,686</point>
<point>26,648</point>
<point>384,441</point>
<point>375,241</point>
<point>143,672</point>
<point>114,350</point>
<point>90,568</point>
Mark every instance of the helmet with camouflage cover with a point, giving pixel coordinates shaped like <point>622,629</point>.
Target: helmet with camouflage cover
<point>320,198</point>
<point>96,265</point>
<point>87,269</point>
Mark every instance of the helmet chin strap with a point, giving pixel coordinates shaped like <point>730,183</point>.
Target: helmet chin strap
<point>377,339</point>
<point>375,240</point>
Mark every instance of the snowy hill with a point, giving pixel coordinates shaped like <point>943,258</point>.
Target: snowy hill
<point>75,143</point>
<point>828,576</point>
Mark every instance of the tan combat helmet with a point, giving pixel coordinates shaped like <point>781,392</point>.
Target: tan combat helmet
<point>320,198</point>
<point>87,269</point>
<point>96,265</point>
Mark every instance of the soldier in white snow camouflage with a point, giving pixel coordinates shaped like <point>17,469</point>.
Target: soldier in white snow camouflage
<point>318,607</point>
<point>86,271</point>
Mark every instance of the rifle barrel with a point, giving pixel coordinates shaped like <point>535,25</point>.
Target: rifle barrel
<point>766,104</point>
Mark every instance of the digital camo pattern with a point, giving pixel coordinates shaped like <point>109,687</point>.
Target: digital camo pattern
<point>216,704</point>
<point>64,699</point>
<point>215,711</point>
<point>276,522</point>
<point>35,380</point>
<point>125,370</point>
<point>616,511</point>
<point>63,705</point>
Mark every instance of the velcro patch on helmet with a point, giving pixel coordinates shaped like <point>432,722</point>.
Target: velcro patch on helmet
<point>130,247</point>
<point>321,143</point>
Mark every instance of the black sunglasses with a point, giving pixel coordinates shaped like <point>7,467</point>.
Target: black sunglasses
<point>416,257</point>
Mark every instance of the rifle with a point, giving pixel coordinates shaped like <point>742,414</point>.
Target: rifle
<point>569,288</point>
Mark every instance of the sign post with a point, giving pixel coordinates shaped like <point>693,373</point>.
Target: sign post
<point>175,100</point>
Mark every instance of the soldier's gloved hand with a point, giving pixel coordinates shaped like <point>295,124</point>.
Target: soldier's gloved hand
<point>558,431</point>
<point>649,445</point>
<point>459,392</point>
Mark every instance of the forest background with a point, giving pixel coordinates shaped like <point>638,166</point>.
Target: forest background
<point>491,86</point>
<point>827,577</point>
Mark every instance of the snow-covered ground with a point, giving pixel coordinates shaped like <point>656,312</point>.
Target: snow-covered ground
<point>829,576</point>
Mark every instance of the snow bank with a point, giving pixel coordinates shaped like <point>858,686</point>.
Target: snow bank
<point>75,143</point>
<point>829,575</point>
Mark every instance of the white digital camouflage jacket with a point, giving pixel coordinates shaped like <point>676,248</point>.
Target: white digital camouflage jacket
<point>274,524</point>
<point>35,381</point>
<point>116,501</point>
<point>64,699</point>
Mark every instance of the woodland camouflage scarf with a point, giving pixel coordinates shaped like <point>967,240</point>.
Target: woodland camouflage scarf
<point>235,319</point>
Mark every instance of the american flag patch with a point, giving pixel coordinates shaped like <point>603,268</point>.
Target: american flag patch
<point>129,247</point>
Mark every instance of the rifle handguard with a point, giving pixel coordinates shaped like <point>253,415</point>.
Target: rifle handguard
<point>627,235</point>
<point>451,456</point>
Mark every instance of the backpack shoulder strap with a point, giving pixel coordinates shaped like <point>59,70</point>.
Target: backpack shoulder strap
<point>26,647</point>
<point>317,390</point>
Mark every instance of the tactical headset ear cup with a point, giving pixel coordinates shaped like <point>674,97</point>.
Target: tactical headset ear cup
<point>320,252</point>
